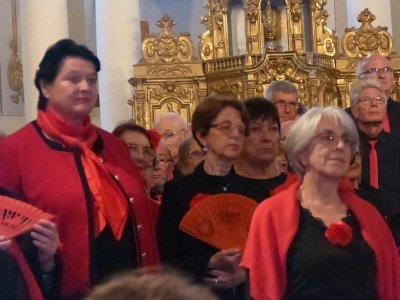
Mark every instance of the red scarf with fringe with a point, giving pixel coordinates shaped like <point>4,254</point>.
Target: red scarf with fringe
<point>111,206</point>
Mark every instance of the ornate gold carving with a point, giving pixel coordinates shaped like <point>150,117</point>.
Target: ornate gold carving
<point>295,19</point>
<point>228,86</point>
<point>214,42</point>
<point>14,71</point>
<point>254,28</point>
<point>324,39</point>
<point>367,39</point>
<point>272,30</point>
<point>166,46</point>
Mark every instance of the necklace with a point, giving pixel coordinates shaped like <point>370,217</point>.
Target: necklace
<point>224,187</point>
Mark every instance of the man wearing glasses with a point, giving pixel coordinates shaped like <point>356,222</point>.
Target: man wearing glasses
<point>284,95</point>
<point>173,129</point>
<point>378,67</point>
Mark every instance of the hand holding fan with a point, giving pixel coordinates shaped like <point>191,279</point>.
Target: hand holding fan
<point>221,220</point>
<point>17,217</point>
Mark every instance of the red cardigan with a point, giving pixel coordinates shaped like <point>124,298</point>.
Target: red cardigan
<point>274,226</point>
<point>48,176</point>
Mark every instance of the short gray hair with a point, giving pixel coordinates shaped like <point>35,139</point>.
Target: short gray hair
<point>360,85</point>
<point>281,86</point>
<point>171,115</point>
<point>303,131</point>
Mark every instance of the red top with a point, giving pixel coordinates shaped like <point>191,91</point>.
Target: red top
<point>274,226</point>
<point>47,175</point>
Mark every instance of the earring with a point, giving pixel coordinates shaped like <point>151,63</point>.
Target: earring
<point>205,148</point>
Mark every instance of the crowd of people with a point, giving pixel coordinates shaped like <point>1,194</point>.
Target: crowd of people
<point>326,181</point>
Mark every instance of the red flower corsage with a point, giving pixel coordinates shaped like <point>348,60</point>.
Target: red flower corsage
<point>197,199</point>
<point>339,233</point>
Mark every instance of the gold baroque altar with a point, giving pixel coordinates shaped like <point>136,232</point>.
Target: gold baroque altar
<point>283,41</point>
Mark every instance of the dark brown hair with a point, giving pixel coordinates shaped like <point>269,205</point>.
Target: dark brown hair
<point>209,108</point>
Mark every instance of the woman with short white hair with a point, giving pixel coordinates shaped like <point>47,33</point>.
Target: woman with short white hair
<point>317,239</point>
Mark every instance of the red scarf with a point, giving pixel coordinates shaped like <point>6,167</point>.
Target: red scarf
<point>111,206</point>
<point>33,288</point>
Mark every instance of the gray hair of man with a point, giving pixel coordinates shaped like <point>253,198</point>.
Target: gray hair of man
<point>361,85</point>
<point>280,86</point>
<point>171,115</point>
<point>362,62</point>
<point>304,130</point>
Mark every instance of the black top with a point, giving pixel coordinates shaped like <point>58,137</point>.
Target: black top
<point>181,250</point>
<point>320,270</point>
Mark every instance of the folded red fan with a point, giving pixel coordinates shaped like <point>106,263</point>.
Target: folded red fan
<point>17,217</point>
<point>221,220</point>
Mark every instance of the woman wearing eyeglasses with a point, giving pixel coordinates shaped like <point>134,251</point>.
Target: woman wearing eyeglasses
<point>317,239</point>
<point>190,155</point>
<point>219,125</point>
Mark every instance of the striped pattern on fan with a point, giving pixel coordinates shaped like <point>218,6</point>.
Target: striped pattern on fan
<point>17,217</point>
<point>221,220</point>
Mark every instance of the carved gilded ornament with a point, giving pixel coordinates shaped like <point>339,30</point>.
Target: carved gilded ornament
<point>14,70</point>
<point>324,39</point>
<point>367,39</point>
<point>228,86</point>
<point>295,26</point>
<point>166,46</point>
<point>272,27</point>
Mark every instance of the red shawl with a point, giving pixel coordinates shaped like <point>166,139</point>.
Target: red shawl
<point>274,226</point>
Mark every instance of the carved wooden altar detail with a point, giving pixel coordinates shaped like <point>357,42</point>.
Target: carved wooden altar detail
<point>170,78</point>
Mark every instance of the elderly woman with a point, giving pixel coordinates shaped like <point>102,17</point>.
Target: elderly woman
<point>142,144</point>
<point>219,124</point>
<point>261,146</point>
<point>80,173</point>
<point>190,156</point>
<point>318,240</point>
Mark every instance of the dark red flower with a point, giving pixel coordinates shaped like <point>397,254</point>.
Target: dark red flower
<point>154,138</point>
<point>339,233</point>
<point>197,199</point>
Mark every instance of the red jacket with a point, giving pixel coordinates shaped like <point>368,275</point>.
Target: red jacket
<point>46,175</point>
<point>274,226</point>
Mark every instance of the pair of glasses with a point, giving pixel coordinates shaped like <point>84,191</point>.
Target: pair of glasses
<point>376,71</point>
<point>147,152</point>
<point>369,100</point>
<point>227,127</point>
<point>195,154</point>
<point>162,161</point>
<point>167,135</point>
<point>331,139</point>
<point>282,103</point>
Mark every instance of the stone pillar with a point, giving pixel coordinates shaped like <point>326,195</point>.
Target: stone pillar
<point>42,23</point>
<point>118,48</point>
<point>380,8</point>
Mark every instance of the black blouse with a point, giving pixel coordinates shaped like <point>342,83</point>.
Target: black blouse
<point>320,270</point>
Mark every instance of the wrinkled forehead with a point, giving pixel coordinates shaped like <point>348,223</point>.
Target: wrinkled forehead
<point>376,62</point>
<point>169,124</point>
<point>163,151</point>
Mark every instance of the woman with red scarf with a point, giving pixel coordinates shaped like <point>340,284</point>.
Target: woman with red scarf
<point>83,175</point>
<point>318,239</point>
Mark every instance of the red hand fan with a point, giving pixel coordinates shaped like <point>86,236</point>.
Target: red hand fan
<point>17,217</point>
<point>221,220</point>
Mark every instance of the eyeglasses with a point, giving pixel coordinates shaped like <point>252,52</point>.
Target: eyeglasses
<point>282,103</point>
<point>227,127</point>
<point>167,135</point>
<point>375,71</point>
<point>162,161</point>
<point>258,128</point>
<point>147,152</point>
<point>369,100</point>
<point>331,139</point>
<point>195,154</point>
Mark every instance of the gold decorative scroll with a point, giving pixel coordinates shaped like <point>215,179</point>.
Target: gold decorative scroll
<point>166,46</point>
<point>254,27</point>
<point>14,71</point>
<point>367,39</point>
<point>294,10</point>
<point>324,39</point>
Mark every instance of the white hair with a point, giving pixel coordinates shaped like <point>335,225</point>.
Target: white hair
<point>303,131</point>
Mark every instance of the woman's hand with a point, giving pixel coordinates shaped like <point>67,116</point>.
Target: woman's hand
<point>226,260</point>
<point>4,244</point>
<point>45,238</point>
<point>226,280</point>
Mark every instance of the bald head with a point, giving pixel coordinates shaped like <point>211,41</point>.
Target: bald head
<point>377,67</point>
